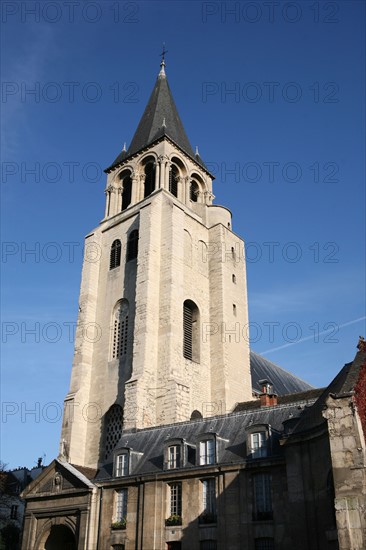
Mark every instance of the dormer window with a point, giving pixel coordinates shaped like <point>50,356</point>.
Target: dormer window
<point>258,444</point>
<point>207,451</point>
<point>258,437</point>
<point>174,457</point>
<point>122,465</point>
<point>175,453</point>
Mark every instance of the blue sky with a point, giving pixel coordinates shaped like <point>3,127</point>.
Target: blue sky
<point>273,94</point>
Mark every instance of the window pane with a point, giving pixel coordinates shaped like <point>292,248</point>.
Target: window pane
<point>176,499</point>
<point>174,456</point>
<point>121,505</point>
<point>209,496</point>
<point>259,444</point>
<point>207,451</point>
<point>262,497</point>
<point>122,465</point>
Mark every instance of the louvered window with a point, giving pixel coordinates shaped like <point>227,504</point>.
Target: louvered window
<point>149,184</point>
<point>173,180</point>
<point>115,256</point>
<point>194,190</point>
<point>191,349</point>
<point>132,245</point>
<point>187,329</point>
<point>127,192</point>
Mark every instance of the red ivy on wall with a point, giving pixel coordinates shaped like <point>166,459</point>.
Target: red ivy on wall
<point>360,397</point>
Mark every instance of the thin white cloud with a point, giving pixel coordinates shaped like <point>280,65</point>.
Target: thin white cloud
<point>306,338</point>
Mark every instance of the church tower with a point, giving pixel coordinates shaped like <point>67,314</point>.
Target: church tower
<point>161,334</point>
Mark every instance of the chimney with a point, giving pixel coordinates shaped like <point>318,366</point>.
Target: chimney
<point>268,397</point>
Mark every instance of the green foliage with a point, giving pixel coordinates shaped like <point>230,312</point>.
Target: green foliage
<point>119,524</point>
<point>174,520</point>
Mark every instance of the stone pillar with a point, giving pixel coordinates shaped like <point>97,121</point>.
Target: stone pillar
<point>135,190</point>
<point>166,175</point>
<point>107,203</point>
<point>119,199</point>
<point>157,174</point>
<point>188,189</point>
<point>141,189</point>
<point>180,193</point>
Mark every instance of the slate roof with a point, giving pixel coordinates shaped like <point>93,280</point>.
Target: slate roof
<point>231,428</point>
<point>159,119</point>
<point>283,382</point>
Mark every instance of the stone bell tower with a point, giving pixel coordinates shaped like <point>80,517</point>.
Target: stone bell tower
<point>163,300</point>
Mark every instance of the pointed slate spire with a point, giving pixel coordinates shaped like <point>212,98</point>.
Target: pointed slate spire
<point>159,119</point>
<point>160,107</point>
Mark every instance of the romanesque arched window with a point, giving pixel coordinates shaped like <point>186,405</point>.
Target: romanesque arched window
<point>191,331</point>
<point>119,342</point>
<point>173,180</point>
<point>149,184</point>
<point>132,245</point>
<point>127,189</point>
<point>115,255</point>
<point>113,428</point>
<point>193,191</point>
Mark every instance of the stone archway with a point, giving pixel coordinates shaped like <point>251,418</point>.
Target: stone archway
<point>60,538</point>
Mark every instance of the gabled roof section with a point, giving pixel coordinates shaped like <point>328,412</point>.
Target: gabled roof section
<point>76,478</point>
<point>283,382</point>
<point>160,119</point>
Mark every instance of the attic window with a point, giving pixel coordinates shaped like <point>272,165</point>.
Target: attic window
<point>258,440</point>
<point>258,444</point>
<point>122,465</point>
<point>174,457</point>
<point>207,451</point>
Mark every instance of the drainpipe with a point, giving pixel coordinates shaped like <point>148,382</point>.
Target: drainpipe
<point>137,516</point>
<point>142,515</point>
<point>100,515</point>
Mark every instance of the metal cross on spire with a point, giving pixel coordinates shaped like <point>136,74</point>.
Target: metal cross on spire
<point>162,64</point>
<point>163,53</point>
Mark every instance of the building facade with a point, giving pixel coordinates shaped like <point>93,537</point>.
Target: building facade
<point>174,434</point>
